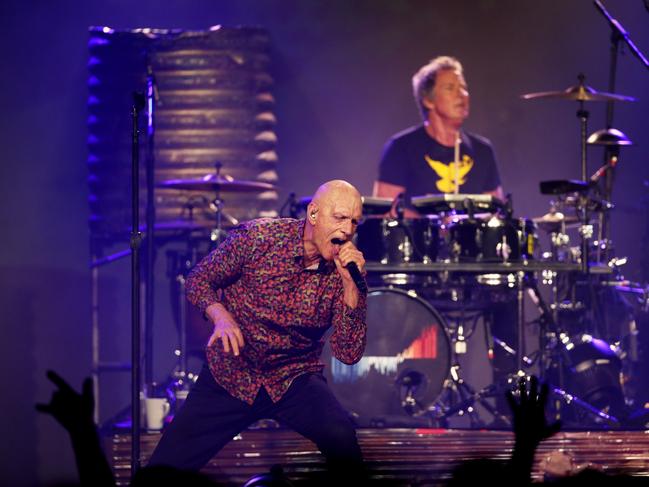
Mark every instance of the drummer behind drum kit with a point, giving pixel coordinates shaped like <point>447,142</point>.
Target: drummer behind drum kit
<point>433,278</point>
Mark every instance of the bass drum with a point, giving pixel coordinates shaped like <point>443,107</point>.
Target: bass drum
<point>593,372</point>
<point>407,354</point>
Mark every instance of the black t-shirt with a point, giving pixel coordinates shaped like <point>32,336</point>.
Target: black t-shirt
<point>416,161</point>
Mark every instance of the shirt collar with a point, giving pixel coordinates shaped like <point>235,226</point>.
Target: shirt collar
<point>296,249</point>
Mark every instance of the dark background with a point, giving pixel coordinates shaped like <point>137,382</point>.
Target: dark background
<point>342,70</point>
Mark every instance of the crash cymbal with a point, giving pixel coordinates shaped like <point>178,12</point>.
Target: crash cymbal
<point>563,186</point>
<point>178,228</point>
<point>580,92</point>
<point>552,222</point>
<point>217,183</point>
<point>610,136</point>
<point>182,226</point>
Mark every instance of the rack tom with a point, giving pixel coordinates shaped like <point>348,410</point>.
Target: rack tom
<point>491,239</point>
<point>399,241</point>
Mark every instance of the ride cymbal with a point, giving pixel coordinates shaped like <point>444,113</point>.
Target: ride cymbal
<point>579,92</point>
<point>217,183</point>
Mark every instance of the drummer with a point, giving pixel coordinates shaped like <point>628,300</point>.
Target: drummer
<point>420,159</point>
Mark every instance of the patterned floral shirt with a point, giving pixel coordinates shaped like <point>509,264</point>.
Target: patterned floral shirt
<point>283,309</point>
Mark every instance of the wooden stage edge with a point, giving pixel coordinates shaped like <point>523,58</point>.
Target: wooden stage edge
<point>417,457</point>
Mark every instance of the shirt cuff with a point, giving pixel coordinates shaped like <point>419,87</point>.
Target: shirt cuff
<point>358,313</point>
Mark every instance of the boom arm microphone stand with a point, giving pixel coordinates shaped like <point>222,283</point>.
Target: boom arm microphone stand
<point>136,240</point>
<point>618,33</point>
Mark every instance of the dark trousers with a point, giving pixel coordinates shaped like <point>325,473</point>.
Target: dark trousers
<point>211,417</point>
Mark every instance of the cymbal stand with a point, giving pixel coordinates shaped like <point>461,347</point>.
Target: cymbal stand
<point>180,381</point>
<point>618,35</point>
<point>469,396</point>
<point>585,230</point>
<point>554,355</point>
<point>217,204</point>
<point>457,396</point>
<point>457,388</point>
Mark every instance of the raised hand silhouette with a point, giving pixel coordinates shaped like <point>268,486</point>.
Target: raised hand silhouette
<point>74,412</point>
<point>530,424</point>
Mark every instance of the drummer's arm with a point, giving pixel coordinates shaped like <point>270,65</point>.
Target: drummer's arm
<point>387,190</point>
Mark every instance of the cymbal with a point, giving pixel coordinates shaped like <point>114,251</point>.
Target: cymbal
<point>183,225</point>
<point>610,136</point>
<point>217,183</point>
<point>552,222</point>
<point>579,92</point>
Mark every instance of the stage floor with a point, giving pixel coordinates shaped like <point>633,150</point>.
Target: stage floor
<point>417,457</point>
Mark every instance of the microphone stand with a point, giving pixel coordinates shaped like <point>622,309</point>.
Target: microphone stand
<point>618,33</point>
<point>136,240</point>
<point>151,99</point>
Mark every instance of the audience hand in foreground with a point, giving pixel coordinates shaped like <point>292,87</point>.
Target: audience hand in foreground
<point>71,409</point>
<point>530,424</point>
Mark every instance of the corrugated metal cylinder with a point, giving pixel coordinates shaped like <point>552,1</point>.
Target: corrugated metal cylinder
<point>214,104</point>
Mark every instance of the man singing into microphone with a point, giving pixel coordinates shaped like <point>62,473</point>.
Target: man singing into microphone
<point>271,291</point>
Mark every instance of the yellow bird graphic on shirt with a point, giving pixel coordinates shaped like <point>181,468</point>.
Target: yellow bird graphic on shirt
<point>446,172</point>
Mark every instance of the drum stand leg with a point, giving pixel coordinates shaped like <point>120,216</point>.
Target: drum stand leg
<point>456,387</point>
<point>458,397</point>
<point>179,382</point>
<point>554,355</point>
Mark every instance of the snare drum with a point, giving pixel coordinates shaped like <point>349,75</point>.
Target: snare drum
<point>393,241</point>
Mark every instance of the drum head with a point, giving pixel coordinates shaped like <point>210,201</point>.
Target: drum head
<point>407,352</point>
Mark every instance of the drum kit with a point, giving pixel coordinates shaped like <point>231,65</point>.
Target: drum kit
<point>435,279</point>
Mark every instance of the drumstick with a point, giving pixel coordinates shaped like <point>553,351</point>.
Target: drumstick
<point>456,171</point>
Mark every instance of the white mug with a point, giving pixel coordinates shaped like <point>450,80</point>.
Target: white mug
<point>157,409</point>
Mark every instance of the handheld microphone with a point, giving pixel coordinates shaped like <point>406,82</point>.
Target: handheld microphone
<point>357,277</point>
